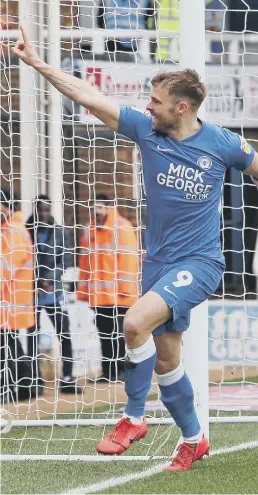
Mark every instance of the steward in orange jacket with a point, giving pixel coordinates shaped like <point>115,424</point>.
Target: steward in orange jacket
<point>16,300</point>
<point>108,264</point>
<point>16,268</point>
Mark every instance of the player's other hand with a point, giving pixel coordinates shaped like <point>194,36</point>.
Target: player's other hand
<point>254,180</point>
<point>25,51</point>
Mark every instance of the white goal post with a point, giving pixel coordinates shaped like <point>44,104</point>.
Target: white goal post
<point>192,55</point>
<point>44,168</point>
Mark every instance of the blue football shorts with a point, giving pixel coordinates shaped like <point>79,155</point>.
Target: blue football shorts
<point>182,285</point>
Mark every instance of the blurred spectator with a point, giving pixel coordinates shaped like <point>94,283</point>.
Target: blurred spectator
<point>214,15</point>
<point>16,292</point>
<point>7,22</point>
<point>216,20</point>
<point>168,18</point>
<point>124,14</point>
<point>52,257</point>
<point>108,264</point>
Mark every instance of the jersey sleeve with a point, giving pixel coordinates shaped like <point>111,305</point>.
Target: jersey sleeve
<point>133,124</point>
<point>239,153</point>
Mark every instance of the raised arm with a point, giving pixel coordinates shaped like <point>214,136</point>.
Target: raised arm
<point>75,89</point>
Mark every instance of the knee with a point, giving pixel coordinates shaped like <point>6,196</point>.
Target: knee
<point>162,367</point>
<point>131,327</point>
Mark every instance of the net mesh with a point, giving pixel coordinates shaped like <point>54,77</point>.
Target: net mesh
<point>95,162</point>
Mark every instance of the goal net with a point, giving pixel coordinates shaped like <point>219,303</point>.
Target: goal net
<point>51,368</point>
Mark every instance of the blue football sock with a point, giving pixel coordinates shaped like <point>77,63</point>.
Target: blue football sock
<point>138,378</point>
<point>177,396</point>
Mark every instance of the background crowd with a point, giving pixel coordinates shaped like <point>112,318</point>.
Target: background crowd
<point>34,258</point>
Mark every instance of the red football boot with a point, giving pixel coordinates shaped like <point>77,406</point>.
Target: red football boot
<point>122,436</point>
<point>189,453</point>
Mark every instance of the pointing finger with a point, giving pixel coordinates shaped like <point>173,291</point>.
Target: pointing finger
<point>24,35</point>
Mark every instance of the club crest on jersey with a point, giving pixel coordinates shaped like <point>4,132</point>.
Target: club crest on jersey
<point>204,162</point>
<point>245,146</point>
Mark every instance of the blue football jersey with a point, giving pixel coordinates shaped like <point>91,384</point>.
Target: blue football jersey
<point>183,184</point>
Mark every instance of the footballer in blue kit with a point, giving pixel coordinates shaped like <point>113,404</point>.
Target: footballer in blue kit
<point>183,188</point>
<point>184,162</point>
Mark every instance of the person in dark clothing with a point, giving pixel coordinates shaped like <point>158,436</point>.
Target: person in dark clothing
<point>52,257</point>
<point>250,234</point>
<point>109,321</point>
<point>243,15</point>
<point>144,20</point>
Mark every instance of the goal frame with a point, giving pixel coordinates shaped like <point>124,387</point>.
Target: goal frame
<point>192,55</point>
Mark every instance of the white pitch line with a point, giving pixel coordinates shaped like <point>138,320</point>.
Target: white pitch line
<point>121,480</point>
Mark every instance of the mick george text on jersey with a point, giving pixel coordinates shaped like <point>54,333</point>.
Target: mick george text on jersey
<point>186,179</point>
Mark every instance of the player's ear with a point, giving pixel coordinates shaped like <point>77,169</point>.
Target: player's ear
<point>182,107</point>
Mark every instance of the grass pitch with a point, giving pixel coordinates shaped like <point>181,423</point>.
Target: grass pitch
<point>233,472</point>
